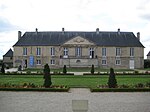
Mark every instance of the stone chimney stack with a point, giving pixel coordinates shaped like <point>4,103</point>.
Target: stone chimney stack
<point>19,35</point>
<point>63,30</point>
<point>138,35</point>
<point>97,30</point>
<point>118,31</point>
<point>36,30</point>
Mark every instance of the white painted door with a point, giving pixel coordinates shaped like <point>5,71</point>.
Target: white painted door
<point>131,64</point>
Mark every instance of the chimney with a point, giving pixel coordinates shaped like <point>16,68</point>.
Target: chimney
<point>63,30</point>
<point>36,30</point>
<point>118,31</point>
<point>138,35</point>
<point>97,30</point>
<point>19,35</point>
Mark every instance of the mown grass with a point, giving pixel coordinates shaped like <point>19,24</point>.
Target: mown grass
<point>73,81</point>
<point>86,69</point>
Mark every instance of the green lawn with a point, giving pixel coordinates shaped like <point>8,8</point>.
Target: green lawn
<point>86,69</point>
<point>73,81</point>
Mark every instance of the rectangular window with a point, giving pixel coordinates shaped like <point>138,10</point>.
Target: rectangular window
<point>132,52</point>
<point>118,51</point>
<point>38,62</point>
<point>25,51</point>
<point>65,51</point>
<point>52,51</point>
<point>91,52</point>
<point>103,52</point>
<point>104,62</point>
<point>118,62</point>
<point>78,51</point>
<point>52,62</point>
<point>38,51</point>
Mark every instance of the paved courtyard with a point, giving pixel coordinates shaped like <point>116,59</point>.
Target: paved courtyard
<point>62,102</point>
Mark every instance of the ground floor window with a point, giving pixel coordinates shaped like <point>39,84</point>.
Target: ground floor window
<point>52,62</point>
<point>118,62</point>
<point>38,62</point>
<point>104,62</point>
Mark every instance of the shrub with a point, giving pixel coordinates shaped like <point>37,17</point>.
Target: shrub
<point>112,82</point>
<point>146,63</point>
<point>20,68</point>
<point>92,69</point>
<point>148,84</point>
<point>47,76</point>
<point>3,68</point>
<point>139,85</point>
<point>64,69</point>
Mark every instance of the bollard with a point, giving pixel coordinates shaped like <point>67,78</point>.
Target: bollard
<point>79,105</point>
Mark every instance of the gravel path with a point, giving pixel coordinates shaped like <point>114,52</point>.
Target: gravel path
<point>62,102</point>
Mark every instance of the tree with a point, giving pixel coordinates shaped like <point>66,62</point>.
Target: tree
<point>112,82</point>
<point>47,76</point>
<point>92,69</point>
<point>3,68</point>
<point>64,69</point>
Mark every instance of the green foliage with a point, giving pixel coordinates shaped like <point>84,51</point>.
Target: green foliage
<point>146,63</point>
<point>47,76</point>
<point>3,68</point>
<point>112,82</point>
<point>92,69</point>
<point>64,69</point>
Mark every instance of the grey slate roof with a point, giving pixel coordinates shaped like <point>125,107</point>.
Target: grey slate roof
<point>148,54</point>
<point>9,53</point>
<point>58,38</point>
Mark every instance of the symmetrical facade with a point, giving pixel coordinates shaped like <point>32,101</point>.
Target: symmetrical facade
<point>79,49</point>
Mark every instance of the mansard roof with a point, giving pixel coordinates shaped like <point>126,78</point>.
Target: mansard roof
<point>9,53</point>
<point>53,38</point>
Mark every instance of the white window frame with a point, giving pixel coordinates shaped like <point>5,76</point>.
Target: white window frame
<point>118,52</point>
<point>131,52</point>
<point>52,62</point>
<point>38,62</point>
<point>104,52</point>
<point>104,60</point>
<point>65,52</point>
<point>38,51</point>
<point>118,61</point>
<point>25,51</point>
<point>52,50</point>
<point>78,51</point>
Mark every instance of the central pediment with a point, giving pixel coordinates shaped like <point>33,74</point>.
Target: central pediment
<point>78,40</point>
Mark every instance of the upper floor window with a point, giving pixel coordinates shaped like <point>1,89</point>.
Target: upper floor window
<point>132,51</point>
<point>103,51</point>
<point>91,52</point>
<point>25,51</point>
<point>118,51</point>
<point>52,51</point>
<point>78,51</point>
<point>38,51</point>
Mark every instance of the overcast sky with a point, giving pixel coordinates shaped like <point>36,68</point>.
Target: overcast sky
<point>73,15</point>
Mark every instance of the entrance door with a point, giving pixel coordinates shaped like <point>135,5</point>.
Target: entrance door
<point>25,62</point>
<point>131,64</point>
<point>92,54</point>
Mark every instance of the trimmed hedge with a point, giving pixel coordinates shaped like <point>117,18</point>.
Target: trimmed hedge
<point>121,90</point>
<point>36,89</point>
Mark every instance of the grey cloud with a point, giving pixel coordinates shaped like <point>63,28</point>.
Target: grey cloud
<point>145,16</point>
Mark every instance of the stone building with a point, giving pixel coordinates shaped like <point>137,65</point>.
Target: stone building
<point>8,59</point>
<point>148,56</point>
<point>79,49</point>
